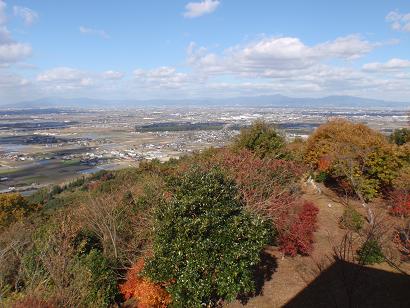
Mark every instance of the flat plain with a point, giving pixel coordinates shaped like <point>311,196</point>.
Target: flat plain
<point>43,146</point>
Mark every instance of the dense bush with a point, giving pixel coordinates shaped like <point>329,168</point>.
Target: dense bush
<point>261,139</point>
<point>205,245</point>
<point>94,278</point>
<point>298,236</point>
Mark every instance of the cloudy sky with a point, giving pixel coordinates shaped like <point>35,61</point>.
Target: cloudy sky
<point>204,48</point>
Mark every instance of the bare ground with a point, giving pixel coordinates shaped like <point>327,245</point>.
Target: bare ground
<point>292,275</point>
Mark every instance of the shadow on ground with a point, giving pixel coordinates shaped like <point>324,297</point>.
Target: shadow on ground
<point>345,284</point>
<point>262,273</point>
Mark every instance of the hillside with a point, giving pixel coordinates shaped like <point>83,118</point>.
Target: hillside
<point>263,222</point>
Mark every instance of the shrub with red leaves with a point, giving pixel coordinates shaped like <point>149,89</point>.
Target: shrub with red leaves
<point>324,163</point>
<point>298,236</point>
<point>400,203</point>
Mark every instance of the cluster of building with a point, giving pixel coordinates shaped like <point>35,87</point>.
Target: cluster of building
<point>16,156</point>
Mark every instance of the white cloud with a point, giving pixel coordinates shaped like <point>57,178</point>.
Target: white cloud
<point>399,21</point>
<point>112,75</point>
<point>13,52</point>
<point>73,81</point>
<point>61,74</point>
<point>275,56</point>
<point>162,77</point>
<point>28,15</point>
<point>61,79</point>
<point>347,47</point>
<point>96,32</point>
<point>10,51</point>
<point>394,64</point>
<point>196,9</point>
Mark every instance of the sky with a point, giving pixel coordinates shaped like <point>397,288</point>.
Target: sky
<point>204,48</point>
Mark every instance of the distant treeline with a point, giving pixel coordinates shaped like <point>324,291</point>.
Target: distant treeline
<point>38,111</point>
<point>189,126</point>
<point>36,125</point>
<point>185,126</point>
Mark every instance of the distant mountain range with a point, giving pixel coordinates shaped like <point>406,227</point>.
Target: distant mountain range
<point>243,101</point>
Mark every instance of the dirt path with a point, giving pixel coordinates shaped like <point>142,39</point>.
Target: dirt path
<point>292,275</point>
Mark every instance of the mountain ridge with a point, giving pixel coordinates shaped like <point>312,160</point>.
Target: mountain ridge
<point>276,100</point>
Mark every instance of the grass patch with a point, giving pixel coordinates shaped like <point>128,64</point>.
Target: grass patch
<point>71,162</point>
<point>9,171</point>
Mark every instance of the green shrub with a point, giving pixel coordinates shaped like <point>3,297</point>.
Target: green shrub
<point>205,245</point>
<point>351,219</point>
<point>400,136</point>
<point>370,252</point>
<point>94,278</point>
<point>321,177</point>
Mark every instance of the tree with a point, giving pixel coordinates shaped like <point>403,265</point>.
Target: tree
<point>400,136</point>
<point>358,159</point>
<point>262,139</point>
<point>205,245</point>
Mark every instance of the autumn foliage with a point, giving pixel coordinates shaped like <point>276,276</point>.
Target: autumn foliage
<point>13,207</point>
<point>297,237</point>
<point>359,160</point>
<point>327,141</point>
<point>400,203</point>
<point>146,293</point>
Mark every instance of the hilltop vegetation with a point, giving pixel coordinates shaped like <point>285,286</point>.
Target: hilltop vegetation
<point>193,232</point>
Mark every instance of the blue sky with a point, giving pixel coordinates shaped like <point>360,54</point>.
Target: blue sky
<point>204,48</point>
